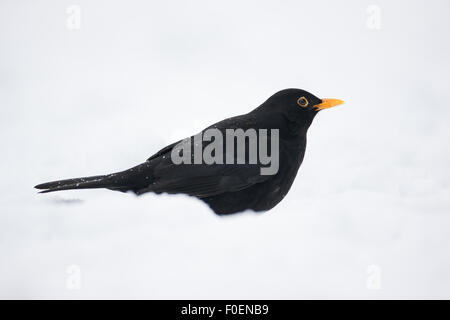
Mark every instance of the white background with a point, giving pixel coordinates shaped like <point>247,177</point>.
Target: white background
<point>373,188</point>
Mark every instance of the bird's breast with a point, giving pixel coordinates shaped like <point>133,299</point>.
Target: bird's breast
<point>271,192</point>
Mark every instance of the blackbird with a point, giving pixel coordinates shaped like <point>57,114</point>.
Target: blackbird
<point>227,187</point>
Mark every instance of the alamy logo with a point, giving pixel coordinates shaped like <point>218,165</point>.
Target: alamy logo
<point>241,147</point>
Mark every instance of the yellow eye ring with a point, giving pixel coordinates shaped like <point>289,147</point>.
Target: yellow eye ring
<point>302,102</point>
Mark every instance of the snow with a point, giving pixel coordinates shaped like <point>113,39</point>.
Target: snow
<point>373,189</point>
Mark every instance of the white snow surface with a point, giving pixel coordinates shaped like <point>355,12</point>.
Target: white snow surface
<point>373,188</point>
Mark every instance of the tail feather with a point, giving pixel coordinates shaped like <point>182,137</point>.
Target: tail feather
<point>66,182</point>
<point>77,183</point>
<point>131,179</point>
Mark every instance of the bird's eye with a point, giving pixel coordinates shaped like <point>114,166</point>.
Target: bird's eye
<point>302,102</point>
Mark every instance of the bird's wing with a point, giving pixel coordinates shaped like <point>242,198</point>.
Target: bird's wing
<point>202,180</point>
<point>164,150</point>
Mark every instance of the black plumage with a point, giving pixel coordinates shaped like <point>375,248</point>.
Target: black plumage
<point>226,188</point>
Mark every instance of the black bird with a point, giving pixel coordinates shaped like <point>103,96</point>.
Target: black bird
<point>226,188</point>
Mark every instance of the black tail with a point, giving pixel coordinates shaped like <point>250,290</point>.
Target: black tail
<point>130,179</point>
<point>77,183</point>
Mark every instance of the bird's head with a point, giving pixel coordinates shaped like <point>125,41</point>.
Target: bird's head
<point>297,106</point>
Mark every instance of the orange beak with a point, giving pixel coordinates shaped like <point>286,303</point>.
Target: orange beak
<point>328,103</point>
